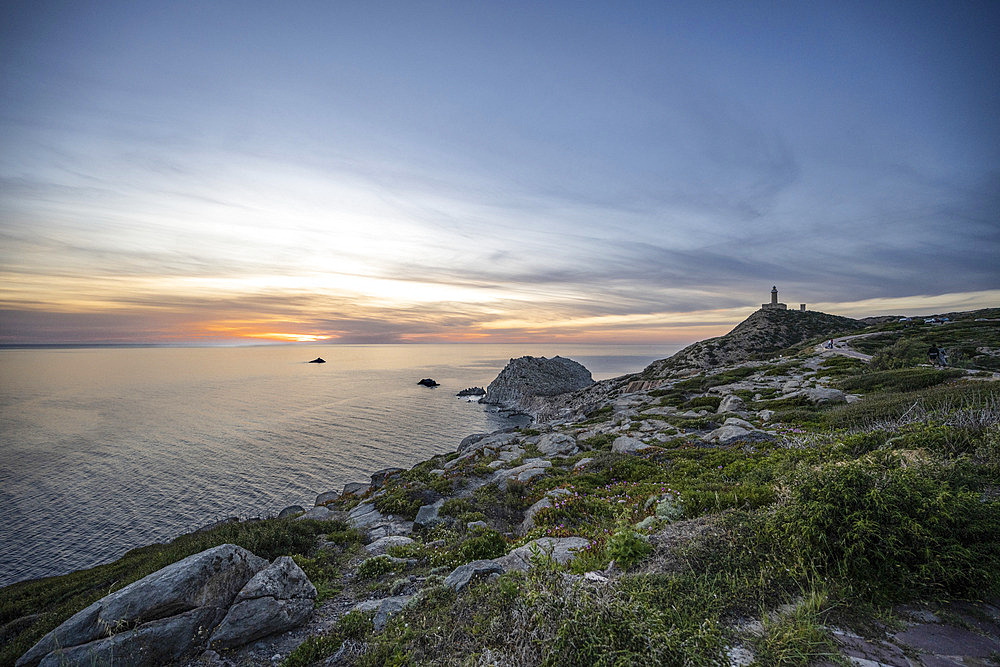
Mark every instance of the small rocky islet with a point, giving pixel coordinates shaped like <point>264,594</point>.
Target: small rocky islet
<point>629,520</point>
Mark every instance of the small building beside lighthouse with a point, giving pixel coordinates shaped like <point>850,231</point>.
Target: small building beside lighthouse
<point>774,305</point>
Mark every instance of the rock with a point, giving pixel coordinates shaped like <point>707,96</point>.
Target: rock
<point>765,415</point>
<point>510,454</point>
<point>726,433</point>
<point>291,510</point>
<point>155,643</point>
<point>428,382</point>
<point>463,574</point>
<point>321,513</point>
<point>820,395</point>
<point>472,525</point>
<point>736,421</point>
<point>561,549</point>
<point>557,444</point>
<point>318,360</point>
<point>364,515</point>
<point>731,403</point>
<point>624,444</point>
<point>326,497</point>
<point>582,463</point>
<point>383,609</point>
<point>497,440</point>
<point>168,606</point>
<point>380,476</point>
<point>528,377</point>
<point>529,514</point>
<point>427,515</point>
<point>382,544</point>
<point>522,473</point>
<point>277,598</point>
<point>356,489</point>
<point>472,391</point>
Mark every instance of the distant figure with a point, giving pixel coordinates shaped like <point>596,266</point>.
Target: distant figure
<point>932,354</point>
<point>942,356</point>
<point>829,345</point>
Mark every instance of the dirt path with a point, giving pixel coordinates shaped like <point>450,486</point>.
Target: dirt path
<point>841,347</point>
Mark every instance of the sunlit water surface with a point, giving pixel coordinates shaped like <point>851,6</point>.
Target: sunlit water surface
<point>104,450</point>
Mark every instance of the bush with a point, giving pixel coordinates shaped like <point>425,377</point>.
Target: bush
<point>627,547</point>
<point>901,379</point>
<point>896,525</point>
<point>376,566</point>
<point>704,402</point>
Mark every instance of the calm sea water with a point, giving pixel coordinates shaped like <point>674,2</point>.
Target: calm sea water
<point>104,450</point>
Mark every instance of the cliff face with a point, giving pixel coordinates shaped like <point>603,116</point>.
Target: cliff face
<point>763,333</point>
<point>526,378</point>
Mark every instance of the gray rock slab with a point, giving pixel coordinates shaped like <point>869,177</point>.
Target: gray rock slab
<point>736,421</point>
<point>364,515</point>
<point>562,549</point>
<point>356,488</point>
<point>731,403</point>
<point>383,608</point>
<point>427,515</point>
<point>252,619</point>
<point>463,574</point>
<point>624,444</point>
<point>947,640</point>
<point>326,497</point>
<point>582,463</point>
<point>151,644</point>
<point>557,444</point>
<point>381,545</point>
<point>290,511</point>
<point>321,513</point>
<point>387,528</point>
<point>819,395</point>
<point>212,577</point>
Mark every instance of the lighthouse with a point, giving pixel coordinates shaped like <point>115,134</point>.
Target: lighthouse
<point>774,305</point>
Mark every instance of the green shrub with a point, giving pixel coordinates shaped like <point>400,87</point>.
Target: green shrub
<point>376,566</point>
<point>627,548</point>
<point>901,379</point>
<point>895,525</point>
<point>704,402</point>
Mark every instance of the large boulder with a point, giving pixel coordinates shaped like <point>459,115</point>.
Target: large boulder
<point>560,549</point>
<point>731,403</point>
<point>557,444</point>
<point>525,378</point>
<point>625,444</point>
<point>156,618</point>
<point>278,598</point>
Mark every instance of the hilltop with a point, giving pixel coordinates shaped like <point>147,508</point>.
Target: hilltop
<point>783,507</point>
<point>757,337</point>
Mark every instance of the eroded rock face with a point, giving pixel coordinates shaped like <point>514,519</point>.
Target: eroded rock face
<point>156,618</point>
<point>277,598</point>
<point>525,378</point>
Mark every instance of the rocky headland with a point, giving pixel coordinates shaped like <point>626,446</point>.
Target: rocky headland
<point>756,499</point>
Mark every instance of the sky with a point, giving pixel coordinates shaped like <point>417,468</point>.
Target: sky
<point>366,172</point>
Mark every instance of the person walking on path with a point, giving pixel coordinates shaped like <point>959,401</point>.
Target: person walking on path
<point>932,354</point>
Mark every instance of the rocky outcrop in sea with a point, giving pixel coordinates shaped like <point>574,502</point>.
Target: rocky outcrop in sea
<point>526,379</point>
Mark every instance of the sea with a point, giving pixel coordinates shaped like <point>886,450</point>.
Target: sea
<point>103,450</point>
